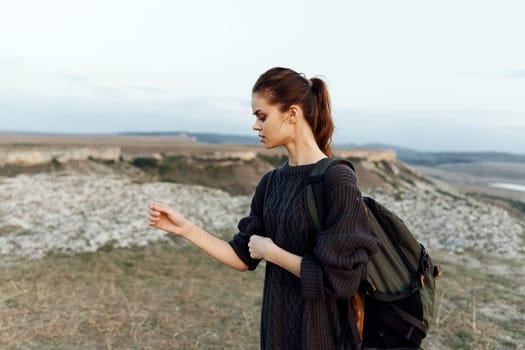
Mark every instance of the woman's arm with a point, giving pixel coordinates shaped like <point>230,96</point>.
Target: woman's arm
<point>265,248</point>
<point>167,219</point>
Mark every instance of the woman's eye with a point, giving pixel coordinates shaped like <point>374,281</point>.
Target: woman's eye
<point>262,118</point>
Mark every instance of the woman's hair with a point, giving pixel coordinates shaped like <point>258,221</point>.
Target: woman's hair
<point>285,87</point>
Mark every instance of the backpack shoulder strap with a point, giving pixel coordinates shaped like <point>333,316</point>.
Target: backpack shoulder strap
<point>314,193</point>
<point>315,203</point>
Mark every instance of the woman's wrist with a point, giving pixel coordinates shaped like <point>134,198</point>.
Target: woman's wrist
<point>272,252</point>
<point>187,230</point>
<point>283,258</point>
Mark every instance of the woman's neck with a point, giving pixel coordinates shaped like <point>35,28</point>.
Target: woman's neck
<point>301,145</point>
<point>303,153</point>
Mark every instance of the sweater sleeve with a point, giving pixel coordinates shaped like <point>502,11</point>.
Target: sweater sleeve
<point>252,224</point>
<point>336,265</point>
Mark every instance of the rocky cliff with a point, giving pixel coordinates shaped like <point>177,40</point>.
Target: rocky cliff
<point>30,157</point>
<point>235,170</point>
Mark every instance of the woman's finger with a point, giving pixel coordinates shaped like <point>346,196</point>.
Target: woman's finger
<point>157,206</point>
<point>161,208</point>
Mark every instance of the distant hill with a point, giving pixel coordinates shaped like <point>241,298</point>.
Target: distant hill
<point>406,155</point>
<point>414,157</point>
<point>431,159</point>
<point>201,137</point>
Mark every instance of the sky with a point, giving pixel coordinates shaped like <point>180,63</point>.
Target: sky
<point>445,75</point>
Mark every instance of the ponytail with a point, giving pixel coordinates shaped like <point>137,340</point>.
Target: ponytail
<point>323,128</point>
<point>286,87</point>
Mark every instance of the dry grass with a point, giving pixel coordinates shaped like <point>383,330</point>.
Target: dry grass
<point>479,304</point>
<point>163,297</point>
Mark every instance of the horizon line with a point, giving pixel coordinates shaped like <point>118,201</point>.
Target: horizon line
<point>189,133</point>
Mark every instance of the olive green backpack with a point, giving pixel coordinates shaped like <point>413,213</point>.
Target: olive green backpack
<point>398,288</point>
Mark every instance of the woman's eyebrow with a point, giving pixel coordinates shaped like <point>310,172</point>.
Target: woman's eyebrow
<point>256,113</point>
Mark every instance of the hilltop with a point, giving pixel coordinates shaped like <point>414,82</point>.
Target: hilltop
<point>79,203</point>
<point>233,168</point>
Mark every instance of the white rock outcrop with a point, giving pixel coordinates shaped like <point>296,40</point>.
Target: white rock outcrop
<point>245,156</point>
<point>39,156</point>
<point>457,224</point>
<point>80,213</point>
<point>75,213</point>
<point>371,155</point>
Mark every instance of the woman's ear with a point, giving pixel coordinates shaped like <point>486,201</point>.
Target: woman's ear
<point>293,113</point>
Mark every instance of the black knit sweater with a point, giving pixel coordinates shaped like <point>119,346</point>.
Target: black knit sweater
<point>302,313</point>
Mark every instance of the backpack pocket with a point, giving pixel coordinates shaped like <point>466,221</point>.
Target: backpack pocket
<point>394,321</point>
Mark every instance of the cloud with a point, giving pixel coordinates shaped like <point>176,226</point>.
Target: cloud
<point>11,60</point>
<point>230,104</point>
<point>433,130</point>
<point>512,73</point>
<point>34,82</point>
<point>516,73</point>
<point>149,89</point>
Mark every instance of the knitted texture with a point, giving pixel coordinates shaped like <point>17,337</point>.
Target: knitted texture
<point>301,313</point>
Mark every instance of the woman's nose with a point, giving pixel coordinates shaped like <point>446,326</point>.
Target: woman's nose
<point>256,126</point>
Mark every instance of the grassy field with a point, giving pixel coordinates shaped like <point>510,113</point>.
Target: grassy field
<point>160,297</point>
<point>167,297</point>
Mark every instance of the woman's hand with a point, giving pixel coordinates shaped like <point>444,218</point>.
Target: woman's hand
<point>163,217</point>
<point>260,247</point>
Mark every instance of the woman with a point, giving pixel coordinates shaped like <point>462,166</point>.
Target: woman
<point>306,271</point>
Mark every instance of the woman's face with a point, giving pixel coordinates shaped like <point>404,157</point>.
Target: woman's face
<point>270,122</point>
